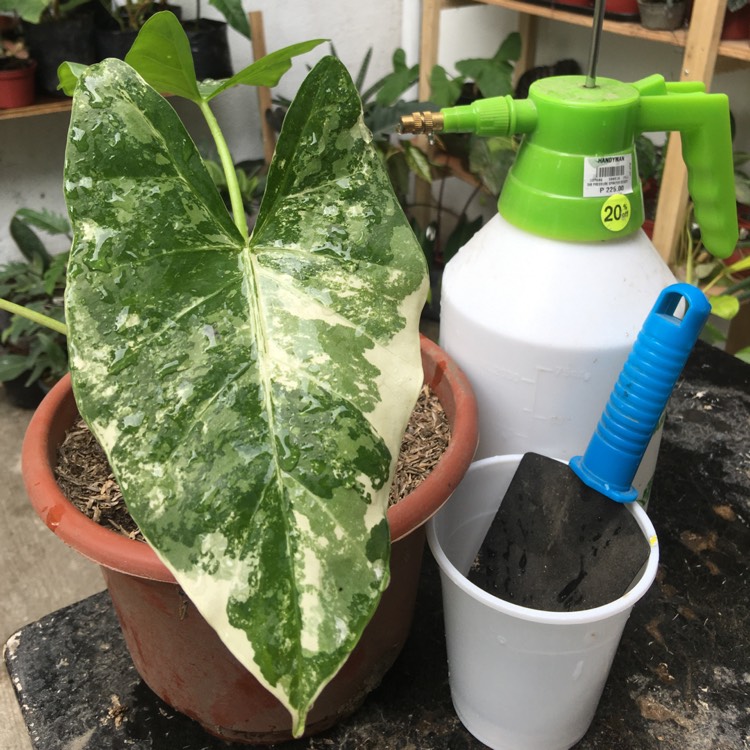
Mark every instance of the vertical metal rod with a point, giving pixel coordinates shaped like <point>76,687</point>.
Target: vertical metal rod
<point>596,35</point>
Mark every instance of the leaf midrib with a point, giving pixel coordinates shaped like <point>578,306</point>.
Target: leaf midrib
<point>250,272</point>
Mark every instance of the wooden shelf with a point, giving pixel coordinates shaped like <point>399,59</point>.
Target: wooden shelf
<point>737,50</point>
<point>44,106</point>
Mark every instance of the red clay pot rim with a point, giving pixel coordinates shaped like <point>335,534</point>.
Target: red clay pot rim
<point>25,71</point>
<point>114,551</point>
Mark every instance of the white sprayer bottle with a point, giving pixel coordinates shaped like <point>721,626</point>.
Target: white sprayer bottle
<point>542,306</point>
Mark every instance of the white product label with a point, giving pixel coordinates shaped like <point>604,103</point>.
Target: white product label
<point>607,175</point>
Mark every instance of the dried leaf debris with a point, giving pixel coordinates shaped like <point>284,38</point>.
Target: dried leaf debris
<point>86,479</point>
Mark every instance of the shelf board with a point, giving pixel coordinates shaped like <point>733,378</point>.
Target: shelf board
<point>43,106</point>
<point>739,50</point>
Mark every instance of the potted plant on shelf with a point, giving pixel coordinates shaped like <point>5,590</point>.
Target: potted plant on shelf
<point>250,392</point>
<point>55,31</point>
<point>663,15</point>
<point>16,74</point>
<point>32,357</point>
<point>208,38</point>
<point>726,283</point>
<point>117,25</point>
<point>736,20</point>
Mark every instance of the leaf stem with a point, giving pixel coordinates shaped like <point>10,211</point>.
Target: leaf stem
<point>233,185</point>
<point>689,258</point>
<point>35,317</point>
<point>715,280</point>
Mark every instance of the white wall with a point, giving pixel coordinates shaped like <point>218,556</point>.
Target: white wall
<point>32,149</point>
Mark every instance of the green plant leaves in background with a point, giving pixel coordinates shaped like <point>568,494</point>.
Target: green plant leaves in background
<point>493,76</point>
<point>251,397</point>
<point>396,83</point>
<point>724,306</point>
<point>32,10</point>
<point>28,10</point>
<point>444,90</point>
<point>29,242</point>
<point>234,14</point>
<point>44,219</point>
<point>490,158</point>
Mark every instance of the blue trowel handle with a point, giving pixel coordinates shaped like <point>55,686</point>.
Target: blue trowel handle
<point>641,392</point>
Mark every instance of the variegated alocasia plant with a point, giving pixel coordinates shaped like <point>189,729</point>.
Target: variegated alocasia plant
<point>251,393</point>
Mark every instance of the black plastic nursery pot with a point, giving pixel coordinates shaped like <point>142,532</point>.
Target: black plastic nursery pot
<point>111,40</point>
<point>114,42</point>
<point>210,48</point>
<point>53,42</point>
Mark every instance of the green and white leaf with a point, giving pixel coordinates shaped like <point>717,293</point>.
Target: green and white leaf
<point>251,396</point>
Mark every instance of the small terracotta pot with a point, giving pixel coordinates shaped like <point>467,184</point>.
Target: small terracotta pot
<point>17,86</point>
<point>576,3</point>
<point>176,652</point>
<point>621,8</point>
<point>736,24</point>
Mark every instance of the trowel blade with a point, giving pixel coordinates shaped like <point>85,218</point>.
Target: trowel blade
<point>558,545</point>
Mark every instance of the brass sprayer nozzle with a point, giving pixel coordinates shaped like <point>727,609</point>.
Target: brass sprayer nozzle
<point>421,123</point>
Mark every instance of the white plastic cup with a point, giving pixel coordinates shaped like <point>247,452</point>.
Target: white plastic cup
<point>520,678</point>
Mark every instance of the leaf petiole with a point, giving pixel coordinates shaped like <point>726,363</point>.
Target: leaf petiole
<point>230,174</point>
<point>35,317</point>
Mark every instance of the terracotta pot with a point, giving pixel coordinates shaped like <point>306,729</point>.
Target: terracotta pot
<point>736,24</point>
<point>17,86</point>
<point>176,652</point>
<point>575,5</point>
<point>624,9</point>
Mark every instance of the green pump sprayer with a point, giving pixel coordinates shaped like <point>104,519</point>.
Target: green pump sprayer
<point>577,159</point>
<point>542,306</point>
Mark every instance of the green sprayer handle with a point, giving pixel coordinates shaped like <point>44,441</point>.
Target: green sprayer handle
<point>703,123</point>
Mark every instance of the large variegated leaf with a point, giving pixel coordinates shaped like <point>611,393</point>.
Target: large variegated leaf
<point>251,398</point>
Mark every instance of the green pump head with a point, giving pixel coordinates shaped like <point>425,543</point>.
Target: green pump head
<point>575,176</point>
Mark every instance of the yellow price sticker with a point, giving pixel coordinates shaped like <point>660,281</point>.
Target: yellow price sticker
<point>616,213</point>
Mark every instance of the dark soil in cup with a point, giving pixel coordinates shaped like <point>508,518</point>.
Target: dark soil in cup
<point>86,479</point>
